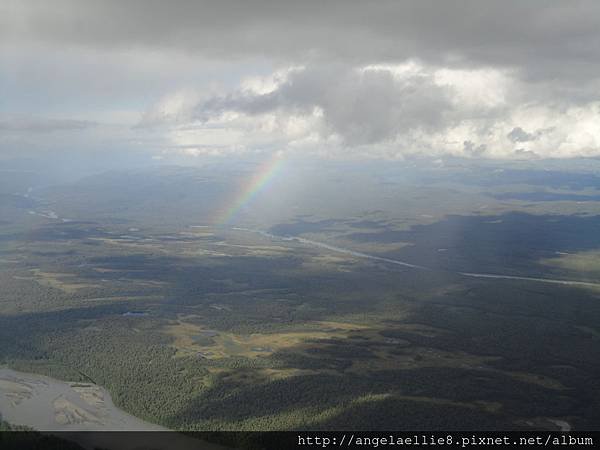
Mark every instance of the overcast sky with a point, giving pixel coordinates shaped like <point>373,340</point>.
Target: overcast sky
<point>501,79</point>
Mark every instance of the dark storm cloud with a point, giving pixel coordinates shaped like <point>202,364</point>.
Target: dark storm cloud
<point>547,38</point>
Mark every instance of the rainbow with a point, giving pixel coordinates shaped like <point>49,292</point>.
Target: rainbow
<point>250,189</point>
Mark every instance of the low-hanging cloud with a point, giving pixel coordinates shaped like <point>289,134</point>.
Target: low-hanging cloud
<point>360,106</point>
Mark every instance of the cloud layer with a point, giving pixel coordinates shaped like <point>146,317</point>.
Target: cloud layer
<point>339,78</point>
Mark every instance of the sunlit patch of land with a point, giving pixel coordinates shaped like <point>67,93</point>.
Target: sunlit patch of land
<point>192,339</point>
<point>586,262</point>
<point>386,353</point>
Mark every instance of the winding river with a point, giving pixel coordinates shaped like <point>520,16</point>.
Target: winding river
<point>398,262</point>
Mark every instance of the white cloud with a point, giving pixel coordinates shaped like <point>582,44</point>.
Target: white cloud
<point>477,89</point>
<point>385,111</point>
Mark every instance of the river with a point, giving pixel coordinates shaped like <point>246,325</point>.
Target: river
<point>398,262</point>
<point>47,404</point>
<point>54,406</point>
